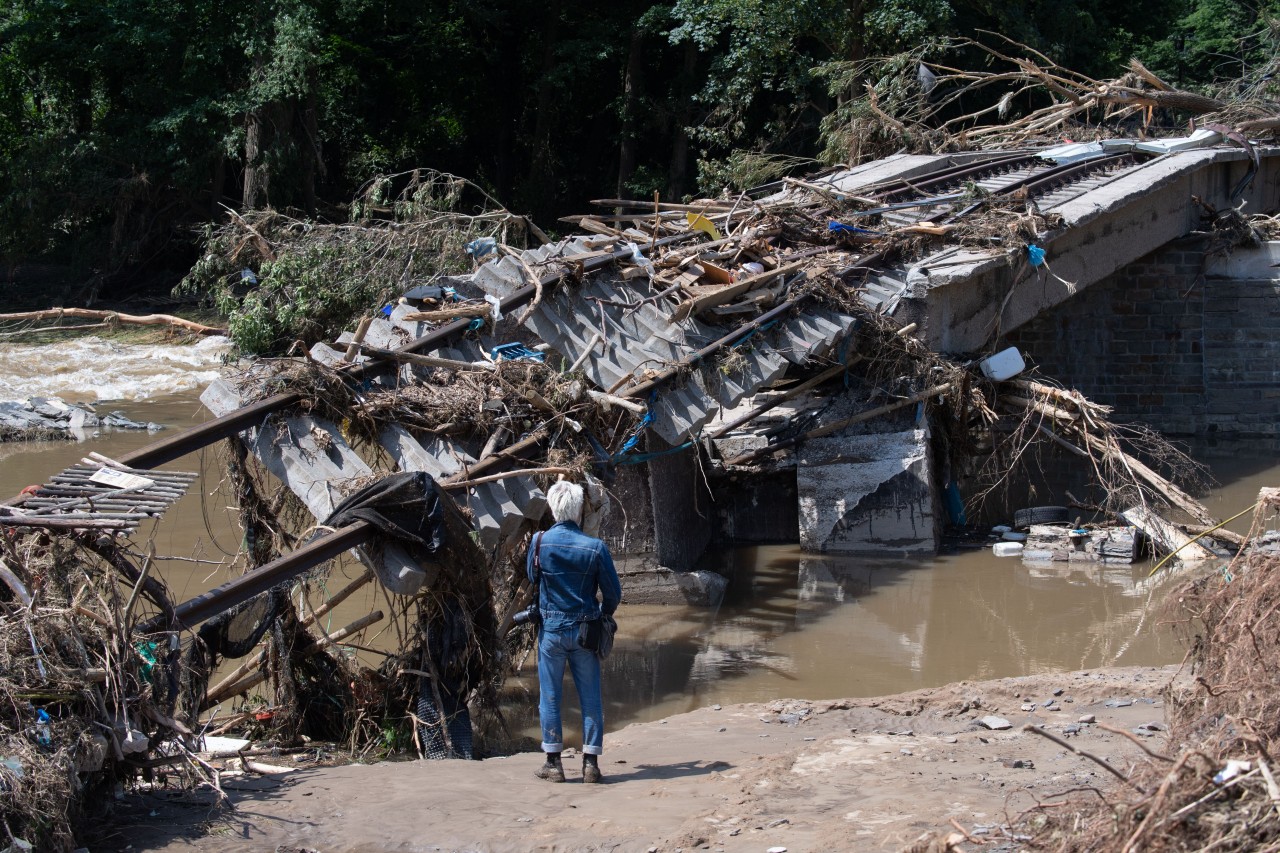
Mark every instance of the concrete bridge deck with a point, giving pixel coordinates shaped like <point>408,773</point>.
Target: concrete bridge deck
<point>961,298</point>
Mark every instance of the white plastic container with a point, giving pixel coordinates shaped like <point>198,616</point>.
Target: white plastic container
<point>1007,549</point>
<point>1005,364</point>
<point>1011,536</point>
<point>1001,528</point>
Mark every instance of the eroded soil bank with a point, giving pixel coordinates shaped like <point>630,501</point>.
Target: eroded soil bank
<point>859,774</point>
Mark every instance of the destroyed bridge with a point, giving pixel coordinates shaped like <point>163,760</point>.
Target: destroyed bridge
<point>732,343</point>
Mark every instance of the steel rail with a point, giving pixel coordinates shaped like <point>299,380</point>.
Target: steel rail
<point>326,547</point>
<point>173,447</point>
<point>955,176</point>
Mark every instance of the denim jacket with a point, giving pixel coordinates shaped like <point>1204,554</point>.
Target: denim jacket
<point>574,566</point>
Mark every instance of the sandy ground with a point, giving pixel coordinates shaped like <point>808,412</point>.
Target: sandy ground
<point>863,774</point>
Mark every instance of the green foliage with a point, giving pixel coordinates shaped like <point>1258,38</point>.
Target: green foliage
<point>1213,41</point>
<point>742,169</point>
<point>279,280</point>
<point>310,295</point>
<point>851,133</point>
<point>765,79</point>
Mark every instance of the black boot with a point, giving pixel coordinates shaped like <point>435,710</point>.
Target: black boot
<point>553,770</point>
<point>591,769</point>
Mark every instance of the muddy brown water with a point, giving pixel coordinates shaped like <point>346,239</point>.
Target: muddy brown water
<point>793,624</point>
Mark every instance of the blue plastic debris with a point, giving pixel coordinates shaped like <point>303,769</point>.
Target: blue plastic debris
<point>387,309</point>
<point>954,504</point>
<point>840,228</point>
<point>481,246</point>
<point>248,276</point>
<point>43,736</point>
<point>1035,254</point>
<point>477,323</point>
<point>515,351</point>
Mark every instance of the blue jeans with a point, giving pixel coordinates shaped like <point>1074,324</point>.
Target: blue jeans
<point>555,648</point>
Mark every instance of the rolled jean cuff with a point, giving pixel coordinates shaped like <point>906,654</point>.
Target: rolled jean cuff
<point>593,750</point>
<point>554,747</point>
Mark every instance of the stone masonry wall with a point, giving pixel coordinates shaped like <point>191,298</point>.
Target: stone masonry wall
<point>683,514</point>
<point>1185,346</point>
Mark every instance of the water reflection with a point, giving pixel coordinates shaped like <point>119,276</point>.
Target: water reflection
<point>799,625</point>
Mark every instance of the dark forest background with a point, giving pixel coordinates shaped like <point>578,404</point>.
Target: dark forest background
<point>127,125</point>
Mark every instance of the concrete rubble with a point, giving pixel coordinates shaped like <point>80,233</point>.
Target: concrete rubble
<point>44,417</point>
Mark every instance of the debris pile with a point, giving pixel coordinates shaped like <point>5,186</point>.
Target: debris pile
<point>923,100</point>
<point>280,280</point>
<point>84,699</point>
<point>1214,785</point>
<point>666,329</point>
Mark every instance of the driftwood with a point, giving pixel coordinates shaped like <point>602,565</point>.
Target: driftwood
<point>316,644</point>
<point>477,309</point>
<point>115,317</point>
<point>1167,537</point>
<point>225,688</point>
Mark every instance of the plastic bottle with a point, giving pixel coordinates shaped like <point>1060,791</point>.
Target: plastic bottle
<point>1007,549</point>
<point>44,736</point>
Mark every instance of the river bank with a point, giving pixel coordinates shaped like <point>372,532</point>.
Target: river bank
<point>856,774</point>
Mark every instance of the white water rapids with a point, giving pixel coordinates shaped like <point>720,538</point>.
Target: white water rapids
<point>92,369</point>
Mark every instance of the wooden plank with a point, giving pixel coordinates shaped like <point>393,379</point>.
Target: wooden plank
<point>721,295</point>
<point>1166,536</point>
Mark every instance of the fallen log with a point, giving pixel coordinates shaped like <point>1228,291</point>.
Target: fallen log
<point>474,309</point>
<point>1167,537</point>
<point>1172,493</point>
<point>116,317</point>
<point>426,360</point>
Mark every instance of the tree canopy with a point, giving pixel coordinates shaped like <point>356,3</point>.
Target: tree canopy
<point>125,125</point>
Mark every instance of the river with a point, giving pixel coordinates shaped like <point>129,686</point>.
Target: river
<point>792,625</point>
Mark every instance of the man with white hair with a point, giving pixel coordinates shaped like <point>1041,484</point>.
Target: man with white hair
<point>568,567</point>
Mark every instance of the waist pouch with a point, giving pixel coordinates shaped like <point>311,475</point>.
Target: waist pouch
<point>596,635</point>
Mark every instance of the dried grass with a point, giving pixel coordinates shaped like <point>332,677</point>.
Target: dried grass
<point>1225,706</point>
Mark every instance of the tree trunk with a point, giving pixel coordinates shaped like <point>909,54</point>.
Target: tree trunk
<point>678,171</point>
<point>541,187</point>
<point>630,99</point>
<point>309,149</point>
<point>257,180</point>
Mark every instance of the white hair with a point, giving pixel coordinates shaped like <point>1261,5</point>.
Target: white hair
<point>565,499</point>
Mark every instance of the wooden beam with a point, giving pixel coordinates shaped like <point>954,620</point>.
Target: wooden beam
<point>731,292</point>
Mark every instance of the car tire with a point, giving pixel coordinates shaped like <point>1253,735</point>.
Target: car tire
<point>1024,518</point>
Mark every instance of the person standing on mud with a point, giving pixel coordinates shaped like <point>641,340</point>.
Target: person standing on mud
<point>568,567</point>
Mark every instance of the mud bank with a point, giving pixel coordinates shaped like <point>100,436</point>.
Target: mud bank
<point>860,774</point>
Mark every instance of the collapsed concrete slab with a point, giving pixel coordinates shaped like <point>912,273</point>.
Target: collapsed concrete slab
<point>869,495</point>
<point>867,492</point>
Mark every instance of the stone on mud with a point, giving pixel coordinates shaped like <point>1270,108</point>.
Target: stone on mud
<point>648,584</point>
